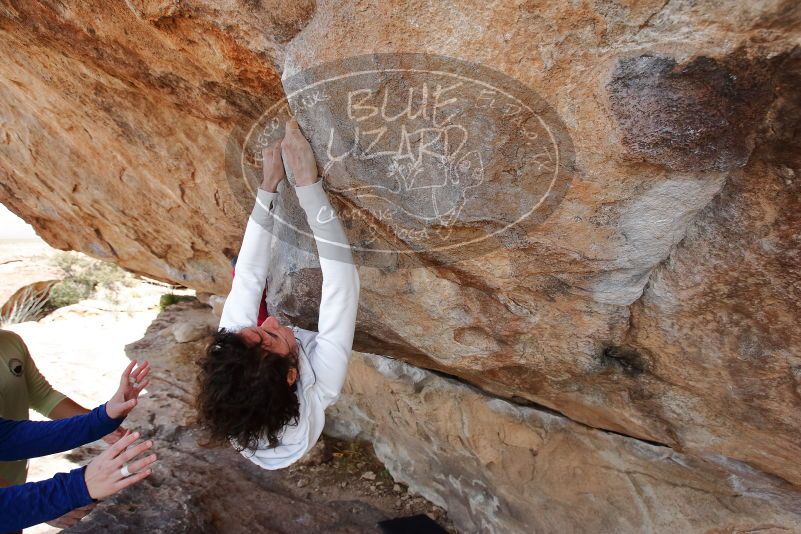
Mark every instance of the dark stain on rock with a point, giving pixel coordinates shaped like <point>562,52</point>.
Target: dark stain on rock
<point>698,116</point>
<point>241,102</point>
<point>526,380</point>
<point>289,18</point>
<point>795,378</point>
<point>780,143</point>
<point>554,287</point>
<point>396,347</point>
<point>631,361</point>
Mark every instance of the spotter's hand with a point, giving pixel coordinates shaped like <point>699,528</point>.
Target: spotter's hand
<point>132,382</point>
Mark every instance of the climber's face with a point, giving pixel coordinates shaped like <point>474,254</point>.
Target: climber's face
<point>272,337</point>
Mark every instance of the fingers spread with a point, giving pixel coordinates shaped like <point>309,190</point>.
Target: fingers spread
<point>131,480</point>
<point>121,445</point>
<point>138,389</point>
<point>132,453</point>
<point>127,372</point>
<point>112,438</point>
<point>137,466</point>
<point>142,371</point>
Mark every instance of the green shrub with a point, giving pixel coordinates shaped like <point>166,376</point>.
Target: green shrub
<point>68,292</point>
<point>83,277</point>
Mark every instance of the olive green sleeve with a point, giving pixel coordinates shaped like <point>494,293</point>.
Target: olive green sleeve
<point>41,395</point>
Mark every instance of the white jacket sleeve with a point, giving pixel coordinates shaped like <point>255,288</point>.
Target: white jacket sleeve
<point>340,295</point>
<point>241,308</point>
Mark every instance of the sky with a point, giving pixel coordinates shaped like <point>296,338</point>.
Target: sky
<point>12,227</point>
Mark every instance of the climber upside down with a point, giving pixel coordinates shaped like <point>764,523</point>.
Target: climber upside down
<point>264,386</point>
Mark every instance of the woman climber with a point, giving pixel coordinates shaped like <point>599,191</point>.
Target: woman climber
<point>264,387</point>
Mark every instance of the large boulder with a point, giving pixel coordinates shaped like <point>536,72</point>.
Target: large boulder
<point>656,300</point>
<point>501,467</point>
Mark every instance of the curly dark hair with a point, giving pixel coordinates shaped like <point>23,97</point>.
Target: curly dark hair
<point>243,392</point>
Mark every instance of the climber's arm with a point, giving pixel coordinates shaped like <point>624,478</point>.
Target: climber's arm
<point>340,295</point>
<point>241,308</point>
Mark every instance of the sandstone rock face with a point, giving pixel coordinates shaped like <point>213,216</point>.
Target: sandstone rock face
<point>700,116</point>
<point>116,113</point>
<point>605,312</point>
<point>657,299</point>
<point>498,467</point>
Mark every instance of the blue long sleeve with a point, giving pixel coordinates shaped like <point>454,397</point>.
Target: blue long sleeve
<point>28,439</point>
<point>36,502</point>
<point>29,504</point>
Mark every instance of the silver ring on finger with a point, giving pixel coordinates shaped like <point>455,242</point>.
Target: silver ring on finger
<point>124,471</point>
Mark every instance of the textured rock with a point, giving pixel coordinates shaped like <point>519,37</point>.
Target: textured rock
<point>657,300</point>
<point>720,317</point>
<point>552,317</point>
<point>498,467</point>
<point>194,325</point>
<point>319,454</point>
<point>185,333</point>
<point>217,302</point>
<point>199,489</point>
<point>702,116</point>
<point>140,103</point>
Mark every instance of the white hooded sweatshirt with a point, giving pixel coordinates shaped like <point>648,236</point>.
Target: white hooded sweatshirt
<point>324,355</point>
